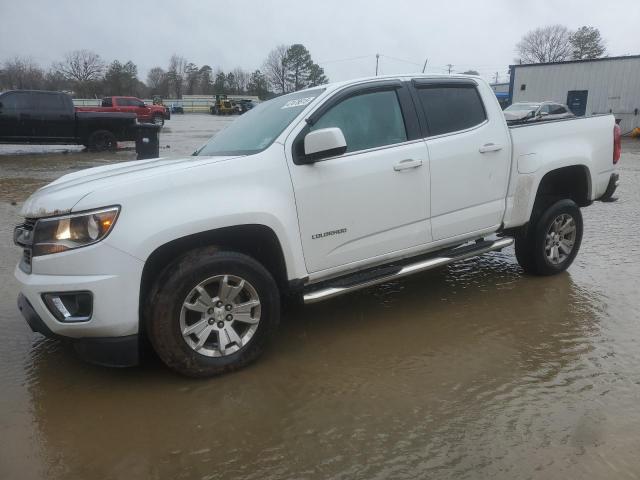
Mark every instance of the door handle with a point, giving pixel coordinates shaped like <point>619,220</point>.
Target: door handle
<point>490,147</point>
<point>407,164</point>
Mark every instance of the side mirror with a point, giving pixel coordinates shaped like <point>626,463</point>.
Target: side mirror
<point>543,114</point>
<point>323,143</point>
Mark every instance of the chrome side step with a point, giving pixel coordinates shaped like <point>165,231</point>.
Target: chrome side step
<point>420,266</point>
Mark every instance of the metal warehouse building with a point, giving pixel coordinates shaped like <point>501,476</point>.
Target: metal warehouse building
<point>603,85</point>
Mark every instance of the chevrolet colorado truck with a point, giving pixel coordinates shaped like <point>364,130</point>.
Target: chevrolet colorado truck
<point>313,194</point>
<point>155,114</point>
<point>42,117</point>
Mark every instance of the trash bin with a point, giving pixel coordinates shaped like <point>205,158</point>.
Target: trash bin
<point>148,141</point>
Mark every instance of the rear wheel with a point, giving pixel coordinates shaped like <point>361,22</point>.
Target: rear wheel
<point>212,312</point>
<point>102,140</point>
<point>552,239</point>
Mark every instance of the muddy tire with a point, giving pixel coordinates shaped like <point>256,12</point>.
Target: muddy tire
<point>158,120</point>
<point>102,140</point>
<point>552,239</point>
<point>212,312</point>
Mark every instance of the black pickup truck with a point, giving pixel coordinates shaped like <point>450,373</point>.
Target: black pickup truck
<point>40,117</point>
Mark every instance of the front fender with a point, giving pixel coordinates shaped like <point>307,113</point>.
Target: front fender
<point>248,190</point>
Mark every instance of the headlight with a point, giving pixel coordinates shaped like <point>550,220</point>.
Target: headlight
<point>58,234</point>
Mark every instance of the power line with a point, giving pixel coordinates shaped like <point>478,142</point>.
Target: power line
<point>345,59</point>
<point>401,60</point>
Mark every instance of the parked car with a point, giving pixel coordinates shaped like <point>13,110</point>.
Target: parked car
<point>146,113</point>
<point>313,194</point>
<point>41,117</point>
<point>534,111</point>
<point>246,105</point>
<point>177,108</point>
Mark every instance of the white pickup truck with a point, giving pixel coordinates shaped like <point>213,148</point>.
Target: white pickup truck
<point>314,194</point>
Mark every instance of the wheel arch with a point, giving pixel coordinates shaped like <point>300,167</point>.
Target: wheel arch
<point>258,241</point>
<point>573,181</point>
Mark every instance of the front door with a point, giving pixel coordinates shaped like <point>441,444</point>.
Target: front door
<point>16,116</point>
<point>577,102</point>
<point>470,158</point>
<point>373,199</point>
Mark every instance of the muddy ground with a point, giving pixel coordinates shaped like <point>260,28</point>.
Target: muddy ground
<point>471,371</point>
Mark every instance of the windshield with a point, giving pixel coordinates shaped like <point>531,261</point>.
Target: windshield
<point>259,127</point>
<point>522,106</point>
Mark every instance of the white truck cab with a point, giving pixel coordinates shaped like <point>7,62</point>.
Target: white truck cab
<point>316,193</point>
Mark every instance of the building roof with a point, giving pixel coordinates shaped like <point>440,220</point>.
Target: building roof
<point>622,57</point>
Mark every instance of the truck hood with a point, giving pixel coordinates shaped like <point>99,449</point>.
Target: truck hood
<point>516,115</point>
<point>60,196</point>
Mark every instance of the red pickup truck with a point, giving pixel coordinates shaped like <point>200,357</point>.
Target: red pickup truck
<point>156,114</point>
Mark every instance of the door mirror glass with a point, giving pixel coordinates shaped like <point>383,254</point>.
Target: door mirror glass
<point>324,143</point>
<point>543,113</point>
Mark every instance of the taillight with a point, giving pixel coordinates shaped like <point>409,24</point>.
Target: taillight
<point>617,144</point>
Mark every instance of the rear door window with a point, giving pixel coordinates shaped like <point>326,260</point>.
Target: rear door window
<point>451,108</point>
<point>47,102</point>
<point>368,120</point>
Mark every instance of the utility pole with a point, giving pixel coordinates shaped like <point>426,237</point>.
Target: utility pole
<point>497,77</point>
<point>377,57</point>
<point>425,65</point>
<point>449,66</point>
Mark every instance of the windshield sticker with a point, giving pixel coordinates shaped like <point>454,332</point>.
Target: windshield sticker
<point>300,102</point>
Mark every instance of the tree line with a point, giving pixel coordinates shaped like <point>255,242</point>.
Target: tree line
<point>84,74</point>
<point>556,43</point>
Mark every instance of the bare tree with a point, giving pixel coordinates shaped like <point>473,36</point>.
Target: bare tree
<point>21,73</point>
<point>275,68</point>
<point>545,44</point>
<point>586,42</point>
<point>176,74</point>
<point>156,79</point>
<point>81,66</point>
<point>83,69</point>
<point>241,78</point>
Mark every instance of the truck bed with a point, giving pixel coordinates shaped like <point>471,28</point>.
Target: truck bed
<point>550,144</point>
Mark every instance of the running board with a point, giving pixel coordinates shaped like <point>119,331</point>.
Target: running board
<point>444,258</point>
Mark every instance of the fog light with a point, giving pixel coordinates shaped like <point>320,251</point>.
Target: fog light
<point>70,306</point>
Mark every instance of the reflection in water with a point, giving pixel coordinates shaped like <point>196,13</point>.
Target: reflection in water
<point>387,383</point>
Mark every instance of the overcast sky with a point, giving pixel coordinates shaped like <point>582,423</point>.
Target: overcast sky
<point>343,36</point>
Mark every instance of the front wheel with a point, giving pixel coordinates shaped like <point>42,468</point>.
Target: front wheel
<point>158,120</point>
<point>212,312</point>
<point>552,239</point>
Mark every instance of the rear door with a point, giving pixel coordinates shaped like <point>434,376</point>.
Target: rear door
<point>53,117</point>
<point>373,199</point>
<point>469,157</point>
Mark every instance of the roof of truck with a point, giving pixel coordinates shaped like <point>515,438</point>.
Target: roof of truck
<point>335,85</point>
